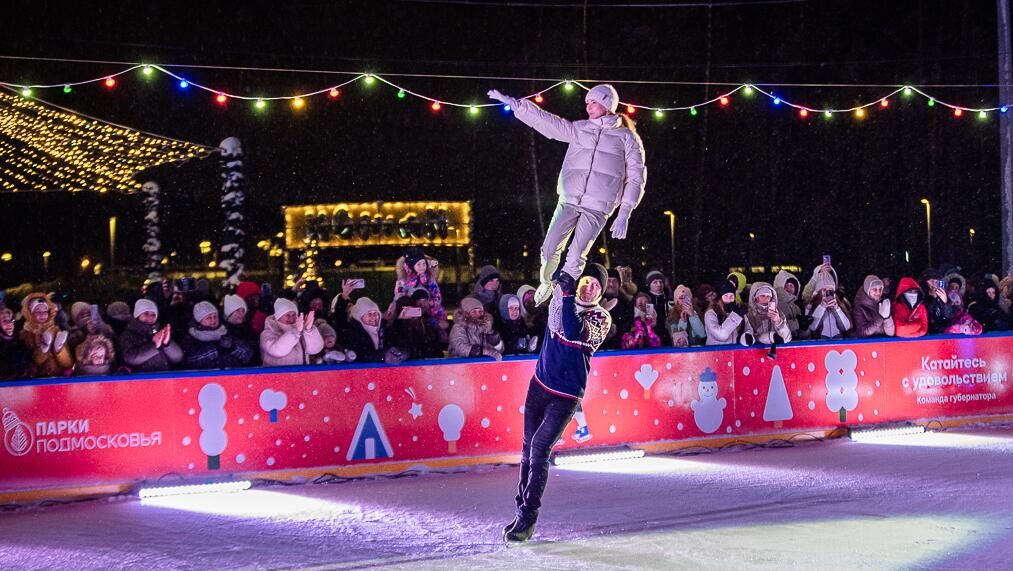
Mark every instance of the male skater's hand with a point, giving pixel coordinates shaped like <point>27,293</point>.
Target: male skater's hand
<point>567,284</point>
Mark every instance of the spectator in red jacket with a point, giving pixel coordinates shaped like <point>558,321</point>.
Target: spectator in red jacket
<point>910,317</point>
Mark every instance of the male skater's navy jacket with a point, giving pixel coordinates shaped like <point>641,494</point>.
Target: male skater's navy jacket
<point>573,334</point>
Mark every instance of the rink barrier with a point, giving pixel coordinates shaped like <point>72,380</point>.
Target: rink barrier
<point>90,435</point>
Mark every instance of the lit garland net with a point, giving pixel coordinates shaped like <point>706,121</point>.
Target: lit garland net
<point>44,147</point>
<point>299,101</point>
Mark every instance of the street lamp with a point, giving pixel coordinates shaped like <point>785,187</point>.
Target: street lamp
<point>928,225</point>
<point>45,263</point>
<point>671,228</point>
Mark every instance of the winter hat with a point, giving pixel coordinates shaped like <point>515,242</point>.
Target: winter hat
<point>470,303</point>
<point>824,281</point>
<point>871,281</point>
<point>78,307</point>
<point>412,257</point>
<point>654,275</point>
<point>614,274</point>
<point>233,303</point>
<point>763,289</point>
<point>418,293</point>
<point>202,310</point>
<point>521,292</point>
<point>604,94</point>
<point>487,274</point>
<point>325,329</point>
<point>598,272</point>
<point>246,289</point>
<point>363,306</point>
<point>283,306</point>
<point>723,287</point>
<point>505,303</point>
<point>703,290</point>
<point>145,305</point>
<point>118,310</point>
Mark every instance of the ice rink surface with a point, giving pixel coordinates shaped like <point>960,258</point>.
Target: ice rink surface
<point>940,500</point>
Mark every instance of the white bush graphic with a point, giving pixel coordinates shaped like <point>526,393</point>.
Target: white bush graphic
<point>272,402</point>
<point>212,422</point>
<point>842,381</point>
<point>646,376</point>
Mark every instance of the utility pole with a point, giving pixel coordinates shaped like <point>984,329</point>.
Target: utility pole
<point>1005,135</point>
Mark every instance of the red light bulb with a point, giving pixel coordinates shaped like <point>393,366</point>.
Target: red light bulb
<point>631,109</point>
<point>884,103</point>
<point>539,98</point>
<point>333,92</point>
<point>724,101</point>
<point>436,106</point>
<point>804,112</point>
<point>220,98</point>
<point>110,81</point>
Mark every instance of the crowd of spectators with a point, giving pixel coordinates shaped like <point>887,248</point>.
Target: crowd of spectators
<point>173,327</point>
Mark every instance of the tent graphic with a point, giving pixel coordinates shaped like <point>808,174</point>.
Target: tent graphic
<point>370,441</point>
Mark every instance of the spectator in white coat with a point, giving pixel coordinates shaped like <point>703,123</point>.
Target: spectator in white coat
<point>289,337</point>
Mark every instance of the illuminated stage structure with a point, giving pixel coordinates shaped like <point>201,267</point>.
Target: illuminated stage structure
<point>310,228</point>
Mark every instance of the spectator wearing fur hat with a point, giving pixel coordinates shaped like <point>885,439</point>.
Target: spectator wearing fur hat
<point>873,312</point>
<point>517,338</point>
<point>660,294</point>
<point>14,357</point>
<point>255,316</point>
<point>415,270</point>
<point>617,299</point>
<point>487,290</point>
<point>209,345</point>
<point>119,316</point>
<point>412,330</point>
<point>962,323</point>
<point>473,334</point>
<point>641,334</point>
<point>787,287</point>
<point>94,356</point>
<point>85,324</point>
<point>367,332</point>
<point>829,318</point>
<point>764,323</point>
<point>47,343</point>
<point>147,347</point>
<point>685,327</point>
<point>723,319</point>
<point>985,307</point>
<point>289,337</point>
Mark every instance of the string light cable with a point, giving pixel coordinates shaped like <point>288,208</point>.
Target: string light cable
<point>436,103</point>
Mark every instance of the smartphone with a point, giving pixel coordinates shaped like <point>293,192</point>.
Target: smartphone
<point>941,284</point>
<point>410,312</point>
<point>650,309</point>
<point>772,306</point>
<point>358,283</point>
<point>826,259</point>
<point>94,313</point>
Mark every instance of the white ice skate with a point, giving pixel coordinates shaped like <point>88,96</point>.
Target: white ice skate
<point>543,293</point>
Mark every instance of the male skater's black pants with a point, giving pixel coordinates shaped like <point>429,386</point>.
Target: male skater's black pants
<point>545,417</point>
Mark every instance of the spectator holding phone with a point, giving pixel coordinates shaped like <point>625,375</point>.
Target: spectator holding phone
<point>936,302</point>
<point>723,319</point>
<point>873,311</point>
<point>417,270</point>
<point>341,304</point>
<point>641,334</point>
<point>685,327</point>
<point>289,337</point>
<point>148,347</point>
<point>829,319</point>
<point>827,271</point>
<point>764,323</point>
<point>85,320</point>
<point>412,330</point>
<point>787,288</point>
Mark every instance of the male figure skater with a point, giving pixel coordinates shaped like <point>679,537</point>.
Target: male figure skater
<point>577,327</point>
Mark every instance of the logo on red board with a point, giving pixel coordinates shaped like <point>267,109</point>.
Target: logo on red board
<point>18,437</point>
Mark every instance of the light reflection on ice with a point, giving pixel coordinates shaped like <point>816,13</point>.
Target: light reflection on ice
<point>255,504</point>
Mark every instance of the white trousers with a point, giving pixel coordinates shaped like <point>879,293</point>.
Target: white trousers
<point>584,225</point>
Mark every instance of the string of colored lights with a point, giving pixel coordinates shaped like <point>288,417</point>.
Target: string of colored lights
<point>46,148</point>
<point>333,91</point>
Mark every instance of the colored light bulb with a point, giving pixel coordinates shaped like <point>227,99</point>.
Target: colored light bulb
<point>298,103</point>
<point>220,98</point>
<point>260,104</point>
<point>67,89</point>
<point>436,106</point>
<point>803,112</point>
<point>333,93</point>
<point>958,112</point>
<point>110,81</point>
<point>183,84</point>
<point>400,94</point>
<point>539,98</point>
<point>473,110</point>
<point>146,70</point>
<point>693,111</point>
<point>568,86</point>
<point>724,101</point>
<point>884,102</point>
<point>630,110</point>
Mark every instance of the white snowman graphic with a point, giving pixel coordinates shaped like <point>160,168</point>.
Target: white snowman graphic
<point>708,411</point>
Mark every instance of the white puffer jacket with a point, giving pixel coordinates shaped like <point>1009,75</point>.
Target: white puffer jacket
<point>604,165</point>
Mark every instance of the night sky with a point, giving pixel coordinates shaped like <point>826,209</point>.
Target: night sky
<point>804,187</point>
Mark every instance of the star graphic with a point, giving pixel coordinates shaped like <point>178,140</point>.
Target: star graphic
<point>415,410</point>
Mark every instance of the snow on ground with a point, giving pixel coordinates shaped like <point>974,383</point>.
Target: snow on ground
<point>932,501</point>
